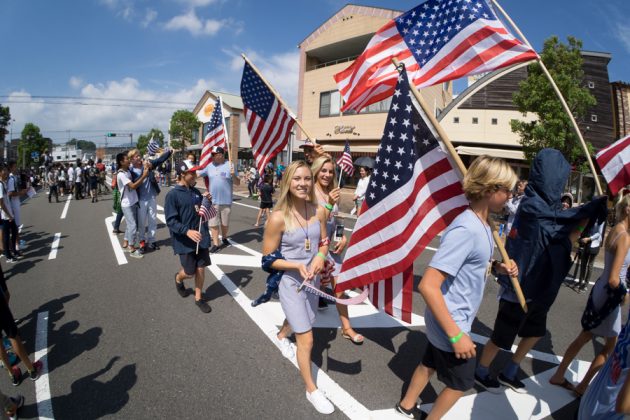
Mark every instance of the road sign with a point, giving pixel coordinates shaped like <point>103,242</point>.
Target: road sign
<point>34,155</point>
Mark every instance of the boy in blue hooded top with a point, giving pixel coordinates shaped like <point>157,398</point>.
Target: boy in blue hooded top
<point>540,242</point>
<point>190,238</point>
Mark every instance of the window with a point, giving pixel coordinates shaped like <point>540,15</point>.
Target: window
<point>593,118</point>
<point>379,107</point>
<point>329,103</point>
<point>475,120</point>
<point>455,120</point>
<point>591,85</point>
<point>494,121</point>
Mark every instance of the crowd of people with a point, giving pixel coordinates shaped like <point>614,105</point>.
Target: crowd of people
<point>304,240</point>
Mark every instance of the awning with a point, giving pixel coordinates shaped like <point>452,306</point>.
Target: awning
<point>501,153</point>
<point>358,149</point>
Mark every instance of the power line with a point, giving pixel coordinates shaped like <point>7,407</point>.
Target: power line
<point>87,104</point>
<point>155,101</point>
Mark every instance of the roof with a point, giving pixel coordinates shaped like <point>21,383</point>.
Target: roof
<point>352,8</point>
<point>231,100</point>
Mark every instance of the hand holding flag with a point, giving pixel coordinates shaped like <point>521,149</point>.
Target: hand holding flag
<point>206,212</point>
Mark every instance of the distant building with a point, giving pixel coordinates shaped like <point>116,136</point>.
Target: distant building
<point>621,108</point>
<point>66,154</point>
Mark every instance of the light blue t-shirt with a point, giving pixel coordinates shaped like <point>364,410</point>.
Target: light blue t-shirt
<point>220,182</point>
<point>144,189</point>
<point>464,255</point>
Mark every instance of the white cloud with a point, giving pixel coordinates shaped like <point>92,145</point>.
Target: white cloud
<point>622,32</point>
<point>198,27</point>
<point>149,17</point>
<point>75,118</point>
<point>281,71</point>
<point>197,3</point>
<point>75,82</point>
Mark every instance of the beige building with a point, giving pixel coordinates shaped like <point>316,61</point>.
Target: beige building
<point>330,49</point>
<point>234,121</point>
<point>621,108</point>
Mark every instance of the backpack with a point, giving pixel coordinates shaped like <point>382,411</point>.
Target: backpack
<point>92,172</point>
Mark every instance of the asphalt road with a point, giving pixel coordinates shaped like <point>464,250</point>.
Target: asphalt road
<point>118,340</point>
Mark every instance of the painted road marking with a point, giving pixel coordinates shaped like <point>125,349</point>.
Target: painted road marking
<point>65,208</point>
<point>42,386</point>
<point>54,246</point>
<point>337,395</point>
<point>118,250</point>
<point>540,401</point>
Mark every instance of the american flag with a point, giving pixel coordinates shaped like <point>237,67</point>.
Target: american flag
<point>215,134</point>
<point>268,123</point>
<point>206,210</point>
<point>439,40</point>
<point>153,147</point>
<point>614,162</point>
<point>345,160</point>
<point>414,193</point>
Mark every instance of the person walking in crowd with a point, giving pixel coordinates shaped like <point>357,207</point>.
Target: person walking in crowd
<point>190,238</point>
<point>608,396</point>
<point>78,181</point>
<point>252,181</point>
<point>604,303</point>
<point>62,180</point>
<point>147,198</point>
<point>359,192</point>
<point>266,199</point>
<point>9,228</point>
<point>295,229</point>
<point>589,245</point>
<point>327,195</point>
<point>53,183</point>
<point>129,201</point>
<point>10,329</point>
<point>102,184</point>
<point>17,190</point>
<point>453,285</point>
<point>221,177</point>
<point>71,179</point>
<point>512,204</point>
<point>311,151</point>
<point>92,177</point>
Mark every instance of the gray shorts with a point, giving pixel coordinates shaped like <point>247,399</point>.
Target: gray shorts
<point>222,217</point>
<point>299,308</point>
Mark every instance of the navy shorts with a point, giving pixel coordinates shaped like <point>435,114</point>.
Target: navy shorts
<point>457,374</point>
<point>191,261</point>
<point>512,321</point>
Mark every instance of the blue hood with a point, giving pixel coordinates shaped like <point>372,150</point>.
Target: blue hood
<point>539,239</point>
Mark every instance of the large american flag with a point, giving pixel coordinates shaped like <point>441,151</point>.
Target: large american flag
<point>345,160</point>
<point>414,193</point>
<point>439,40</point>
<point>614,162</point>
<point>215,134</point>
<point>269,124</point>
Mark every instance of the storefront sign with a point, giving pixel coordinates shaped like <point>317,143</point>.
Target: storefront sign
<point>344,129</point>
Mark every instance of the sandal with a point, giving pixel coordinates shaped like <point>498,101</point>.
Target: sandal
<point>356,339</point>
<point>565,384</point>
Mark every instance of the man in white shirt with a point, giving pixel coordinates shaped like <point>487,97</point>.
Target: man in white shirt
<point>78,177</point>
<point>129,201</point>
<point>70,179</point>
<point>9,229</point>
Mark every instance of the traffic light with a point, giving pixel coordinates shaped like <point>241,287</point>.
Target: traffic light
<point>111,134</point>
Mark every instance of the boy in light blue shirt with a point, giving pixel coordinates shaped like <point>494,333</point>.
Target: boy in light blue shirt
<point>452,287</point>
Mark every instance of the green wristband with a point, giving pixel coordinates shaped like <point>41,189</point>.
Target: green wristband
<point>456,338</point>
<point>319,254</point>
<point>328,206</point>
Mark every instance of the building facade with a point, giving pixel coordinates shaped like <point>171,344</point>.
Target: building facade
<point>329,49</point>
<point>621,108</point>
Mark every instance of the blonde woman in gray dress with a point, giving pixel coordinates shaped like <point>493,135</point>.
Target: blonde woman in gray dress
<point>297,227</point>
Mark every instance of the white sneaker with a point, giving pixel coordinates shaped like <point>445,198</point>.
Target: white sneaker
<point>136,254</point>
<point>320,402</point>
<point>286,348</point>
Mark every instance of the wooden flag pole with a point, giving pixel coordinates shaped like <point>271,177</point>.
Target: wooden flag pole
<point>227,139</point>
<point>560,97</point>
<point>199,230</point>
<point>463,170</point>
<point>299,124</point>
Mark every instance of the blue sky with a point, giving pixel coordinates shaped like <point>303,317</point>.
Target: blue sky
<point>173,50</point>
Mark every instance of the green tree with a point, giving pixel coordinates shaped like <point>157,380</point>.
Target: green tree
<point>84,145</point>
<point>31,141</point>
<point>5,119</point>
<point>536,95</point>
<point>143,140</point>
<point>183,124</point>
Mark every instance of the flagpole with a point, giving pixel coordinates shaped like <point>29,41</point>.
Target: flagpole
<point>463,170</point>
<point>199,230</point>
<point>560,97</point>
<point>225,131</point>
<point>277,95</point>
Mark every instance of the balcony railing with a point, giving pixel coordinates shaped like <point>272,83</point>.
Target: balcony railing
<point>332,63</point>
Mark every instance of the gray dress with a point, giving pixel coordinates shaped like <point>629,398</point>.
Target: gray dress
<point>299,307</point>
<point>611,325</point>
